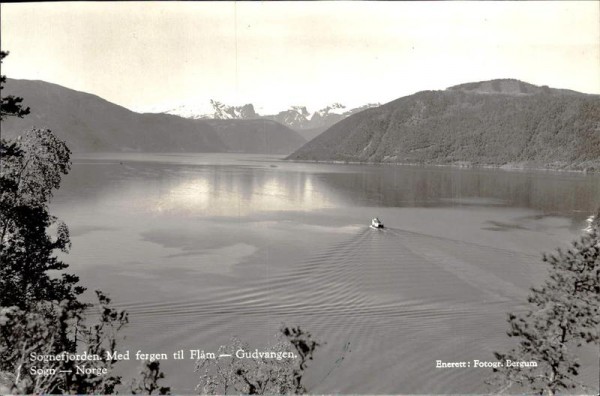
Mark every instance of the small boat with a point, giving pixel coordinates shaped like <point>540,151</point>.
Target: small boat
<point>376,223</point>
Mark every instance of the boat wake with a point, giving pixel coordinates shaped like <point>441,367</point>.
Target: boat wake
<point>402,299</point>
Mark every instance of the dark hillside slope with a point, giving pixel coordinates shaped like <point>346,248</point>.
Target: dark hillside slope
<point>500,122</point>
<point>89,123</point>
<point>257,136</point>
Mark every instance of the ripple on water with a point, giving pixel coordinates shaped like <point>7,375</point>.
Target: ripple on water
<point>401,300</point>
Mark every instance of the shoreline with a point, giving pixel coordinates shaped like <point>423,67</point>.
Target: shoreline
<point>505,167</point>
<point>280,157</point>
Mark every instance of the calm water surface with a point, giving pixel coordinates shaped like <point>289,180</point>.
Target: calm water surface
<point>200,248</point>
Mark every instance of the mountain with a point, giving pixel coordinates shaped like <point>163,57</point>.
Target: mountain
<point>307,124</point>
<point>217,111</point>
<point>225,112</point>
<point>89,123</point>
<point>310,125</point>
<point>509,87</point>
<point>295,117</point>
<point>500,122</point>
<point>257,136</point>
<point>184,111</point>
<point>310,134</point>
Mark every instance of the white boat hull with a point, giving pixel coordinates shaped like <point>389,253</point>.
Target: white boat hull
<point>376,223</point>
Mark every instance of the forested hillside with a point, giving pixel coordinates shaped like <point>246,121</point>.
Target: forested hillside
<point>500,122</point>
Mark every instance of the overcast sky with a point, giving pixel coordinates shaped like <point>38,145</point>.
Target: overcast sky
<point>158,55</point>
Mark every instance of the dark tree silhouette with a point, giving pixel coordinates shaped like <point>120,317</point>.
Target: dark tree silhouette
<point>31,169</point>
<point>42,313</point>
<point>148,380</point>
<point>564,314</point>
<point>10,105</point>
<point>259,376</point>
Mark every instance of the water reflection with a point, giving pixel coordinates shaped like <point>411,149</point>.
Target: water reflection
<point>234,187</point>
<point>232,193</point>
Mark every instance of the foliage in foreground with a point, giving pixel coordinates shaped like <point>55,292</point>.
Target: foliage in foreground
<point>40,308</point>
<point>564,315</point>
<point>31,169</point>
<point>259,376</point>
<point>148,380</point>
<point>50,330</point>
<point>10,105</point>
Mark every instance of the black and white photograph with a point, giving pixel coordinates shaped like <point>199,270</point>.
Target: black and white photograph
<point>311,197</point>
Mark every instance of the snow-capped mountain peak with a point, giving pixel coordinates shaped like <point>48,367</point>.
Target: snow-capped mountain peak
<point>336,108</point>
<point>213,110</point>
<point>297,117</point>
<point>188,111</point>
<point>226,112</point>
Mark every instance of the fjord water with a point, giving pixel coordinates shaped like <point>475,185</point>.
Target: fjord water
<point>199,248</point>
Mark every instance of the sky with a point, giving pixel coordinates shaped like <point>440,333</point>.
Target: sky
<point>159,55</point>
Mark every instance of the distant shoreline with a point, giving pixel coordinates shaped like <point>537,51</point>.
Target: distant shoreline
<point>506,167</point>
<point>460,165</point>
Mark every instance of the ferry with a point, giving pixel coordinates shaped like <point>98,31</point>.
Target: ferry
<point>376,223</point>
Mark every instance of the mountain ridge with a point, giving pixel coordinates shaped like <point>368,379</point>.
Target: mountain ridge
<point>308,124</point>
<point>511,124</point>
<point>89,123</point>
<point>509,86</point>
